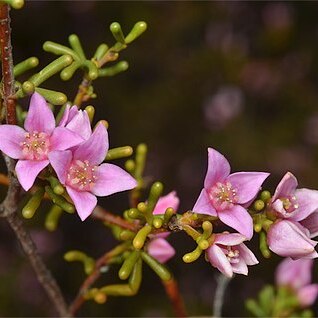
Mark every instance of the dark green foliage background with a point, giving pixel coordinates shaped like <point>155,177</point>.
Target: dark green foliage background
<point>260,57</point>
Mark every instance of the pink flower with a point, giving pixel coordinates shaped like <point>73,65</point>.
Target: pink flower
<point>33,145</point>
<point>296,274</point>
<point>83,175</point>
<point>311,223</point>
<point>230,255</point>
<point>290,239</point>
<point>226,195</point>
<point>158,247</point>
<point>76,120</point>
<point>291,203</point>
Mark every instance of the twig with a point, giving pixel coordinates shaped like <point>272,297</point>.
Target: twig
<point>91,279</point>
<point>82,93</point>
<point>222,282</point>
<point>174,295</point>
<point>9,206</point>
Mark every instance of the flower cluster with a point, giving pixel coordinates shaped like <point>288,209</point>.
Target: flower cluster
<point>75,153</point>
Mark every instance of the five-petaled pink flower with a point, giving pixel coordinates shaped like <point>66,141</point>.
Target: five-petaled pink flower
<point>291,203</point>
<point>33,145</point>
<point>158,247</point>
<point>290,239</point>
<point>296,275</point>
<point>230,255</point>
<point>226,195</point>
<point>83,175</point>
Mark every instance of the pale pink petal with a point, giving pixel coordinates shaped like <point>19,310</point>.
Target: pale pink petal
<point>247,255</point>
<point>63,139</point>
<point>289,239</point>
<point>286,187</point>
<point>168,201</point>
<point>60,161</point>
<point>294,273</point>
<point>161,250</point>
<point>307,295</point>
<point>308,202</point>
<point>218,259</point>
<point>229,239</point>
<point>278,207</point>
<point>247,184</point>
<point>218,168</point>
<point>40,117</point>
<point>311,223</point>
<point>240,267</point>
<point>111,179</point>
<point>204,205</point>
<point>28,170</point>
<point>11,138</point>
<point>239,219</point>
<point>84,202</point>
<point>95,148</point>
<point>80,124</point>
<point>63,121</point>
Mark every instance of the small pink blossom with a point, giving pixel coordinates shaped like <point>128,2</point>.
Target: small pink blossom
<point>158,247</point>
<point>226,195</point>
<point>33,144</point>
<point>296,274</point>
<point>83,175</point>
<point>290,239</point>
<point>76,120</point>
<point>311,223</point>
<point>291,203</point>
<point>230,255</point>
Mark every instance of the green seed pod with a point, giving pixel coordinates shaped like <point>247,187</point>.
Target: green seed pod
<point>25,66</point>
<point>69,71</point>
<point>141,237</point>
<point>59,49</point>
<point>120,152</point>
<point>157,267</point>
<point>53,217</point>
<point>139,28</point>
<point>90,110</point>
<point>192,256</point>
<point>76,46</point>
<point>30,208</point>
<point>128,265</point>
<point>101,51</point>
<point>113,70</point>
<point>60,201</point>
<point>117,32</point>
<point>53,97</point>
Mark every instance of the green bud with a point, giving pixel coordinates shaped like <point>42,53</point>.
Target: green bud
<point>168,214</point>
<point>126,235</point>
<point>141,152</point>
<point>265,196</point>
<point>28,87</point>
<point>134,214</point>
<point>101,51</point>
<point>25,66</point>
<point>142,207</point>
<point>141,237</point>
<point>92,70</point>
<point>192,256</point>
<point>155,192</point>
<point>259,205</point>
<point>53,217</point>
<point>88,262</point>
<point>139,28</point>
<point>33,204</point>
<point>76,46</point>
<point>117,32</point>
<point>59,49</point>
<point>15,4</point>
<point>90,110</point>
<point>69,71</point>
<point>100,298</point>
<point>130,165</point>
<point>157,222</point>
<point>53,97</point>
<point>128,265</point>
<point>157,267</point>
<point>120,152</point>
<point>203,244</point>
<point>60,201</point>
<point>263,245</point>
<point>113,70</point>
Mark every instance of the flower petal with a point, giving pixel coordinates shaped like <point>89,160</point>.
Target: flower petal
<point>217,259</point>
<point>307,295</point>
<point>311,223</point>
<point>247,255</point>
<point>289,239</point>
<point>95,148</point>
<point>161,250</point>
<point>60,161</point>
<point>239,219</point>
<point>63,121</point>
<point>40,117</point>
<point>308,202</point>
<point>63,139</point>
<point>294,273</point>
<point>168,201</point>
<point>247,184</point>
<point>28,170</point>
<point>240,267</point>
<point>229,239</point>
<point>80,124</point>
<point>84,202</point>
<point>218,168</point>
<point>203,204</point>
<point>111,179</point>
<point>286,187</point>
<point>11,137</point>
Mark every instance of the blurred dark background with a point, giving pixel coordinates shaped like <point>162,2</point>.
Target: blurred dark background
<point>240,77</point>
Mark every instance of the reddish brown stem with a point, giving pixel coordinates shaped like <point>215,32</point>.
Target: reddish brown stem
<point>91,279</point>
<point>172,291</point>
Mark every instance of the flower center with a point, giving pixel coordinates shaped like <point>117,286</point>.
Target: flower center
<point>232,254</point>
<point>290,204</point>
<point>223,196</point>
<point>81,175</point>
<point>35,146</point>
